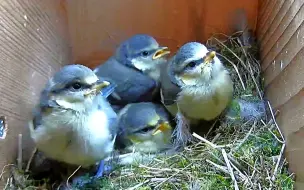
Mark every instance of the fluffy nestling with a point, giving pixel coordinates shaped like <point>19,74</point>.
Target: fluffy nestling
<point>74,123</point>
<point>195,86</point>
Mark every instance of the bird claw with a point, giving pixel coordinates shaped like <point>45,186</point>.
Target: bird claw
<point>103,169</point>
<point>84,180</point>
<point>81,181</point>
<point>100,170</point>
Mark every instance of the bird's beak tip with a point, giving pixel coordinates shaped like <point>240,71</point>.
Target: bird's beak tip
<point>98,87</point>
<point>210,56</point>
<point>163,127</point>
<point>161,52</point>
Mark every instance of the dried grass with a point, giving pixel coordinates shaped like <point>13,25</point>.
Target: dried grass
<point>247,155</point>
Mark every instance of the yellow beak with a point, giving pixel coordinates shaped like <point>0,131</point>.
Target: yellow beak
<point>97,87</point>
<point>209,57</point>
<point>162,51</point>
<point>162,127</point>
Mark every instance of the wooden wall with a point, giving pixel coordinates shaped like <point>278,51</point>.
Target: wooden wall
<point>97,26</point>
<point>280,32</point>
<point>33,37</point>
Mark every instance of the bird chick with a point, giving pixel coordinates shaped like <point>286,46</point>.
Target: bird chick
<point>73,122</point>
<point>142,52</point>
<point>144,127</point>
<point>135,68</point>
<point>195,85</point>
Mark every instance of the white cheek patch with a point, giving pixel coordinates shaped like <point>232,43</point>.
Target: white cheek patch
<point>141,65</point>
<point>77,106</point>
<point>189,81</point>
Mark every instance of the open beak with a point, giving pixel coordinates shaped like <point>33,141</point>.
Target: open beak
<point>209,57</point>
<point>162,51</point>
<point>97,87</point>
<point>162,127</point>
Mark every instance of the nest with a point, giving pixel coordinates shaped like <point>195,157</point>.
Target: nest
<point>235,155</point>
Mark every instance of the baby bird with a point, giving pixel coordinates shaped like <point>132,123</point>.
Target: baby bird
<point>135,68</point>
<point>73,122</point>
<point>144,127</point>
<point>195,85</point>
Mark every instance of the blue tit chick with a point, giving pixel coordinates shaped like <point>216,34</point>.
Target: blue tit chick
<point>74,123</point>
<point>142,52</point>
<point>195,86</point>
<point>144,127</point>
<point>135,68</point>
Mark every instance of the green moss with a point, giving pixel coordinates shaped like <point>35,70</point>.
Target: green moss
<point>285,182</point>
<point>190,168</point>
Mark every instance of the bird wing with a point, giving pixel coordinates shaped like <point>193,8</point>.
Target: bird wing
<point>132,86</point>
<point>169,90</point>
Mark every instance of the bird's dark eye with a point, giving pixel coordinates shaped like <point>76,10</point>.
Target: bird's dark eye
<point>146,129</point>
<point>145,53</point>
<point>76,86</point>
<point>191,64</point>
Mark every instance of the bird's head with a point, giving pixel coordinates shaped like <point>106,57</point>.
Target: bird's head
<point>147,129</point>
<point>194,65</point>
<point>75,87</point>
<point>141,52</point>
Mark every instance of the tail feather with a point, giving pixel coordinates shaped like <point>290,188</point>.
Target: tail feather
<point>181,133</point>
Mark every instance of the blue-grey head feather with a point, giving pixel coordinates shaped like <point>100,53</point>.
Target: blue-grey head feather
<point>134,46</point>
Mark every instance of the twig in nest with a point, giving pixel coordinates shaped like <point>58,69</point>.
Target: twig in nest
<point>246,137</point>
<point>244,65</point>
<point>245,178</point>
<point>3,170</point>
<point>67,182</point>
<point>278,163</point>
<point>211,128</point>
<point>138,185</point>
<point>250,70</point>
<point>30,160</point>
<point>222,168</point>
<point>19,159</point>
<point>275,136</point>
<point>160,169</point>
<point>236,187</point>
<point>7,183</point>
<point>216,137</point>
<point>205,140</point>
<point>274,120</point>
<point>242,62</point>
<point>171,176</point>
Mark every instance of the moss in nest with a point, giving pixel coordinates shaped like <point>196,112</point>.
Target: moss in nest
<point>252,150</point>
<point>284,181</point>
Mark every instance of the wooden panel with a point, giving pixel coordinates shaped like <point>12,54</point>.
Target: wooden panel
<point>275,16</point>
<point>282,54</point>
<point>97,26</point>
<point>292,20</point>
<point>285,57</point>
<point>268,14</point>
<point>288,82</point>
<point>33,37</point>
<point>275,24</point>
<point>292,115</point>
